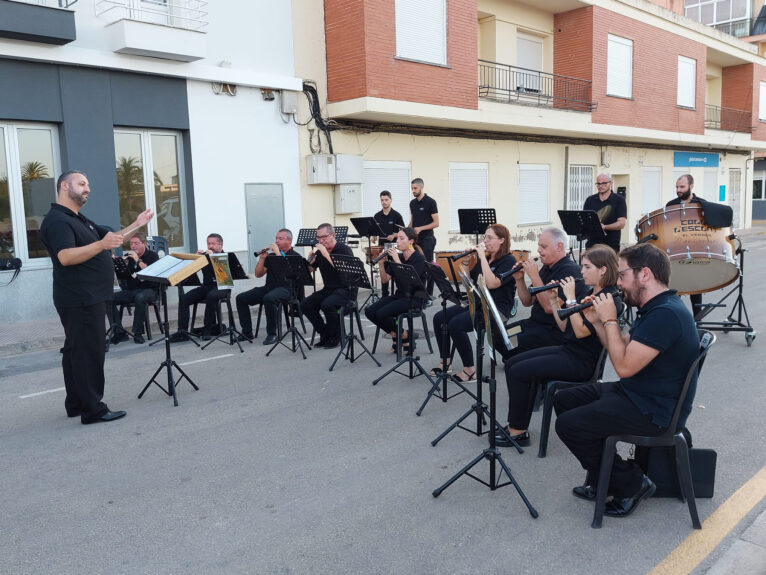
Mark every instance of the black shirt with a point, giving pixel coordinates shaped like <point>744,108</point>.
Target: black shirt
<point>330,276</point>
<point>609,211</point>
<point>418,262</point>
<point>502,296</point>
<point>389,224</point>
<point>148,257</point>
<point>589,348</point>
<point>272,279</point>
<point>678,201</point>
<point>89,282</point>
<point>563,268</point>
<point>422,212</point>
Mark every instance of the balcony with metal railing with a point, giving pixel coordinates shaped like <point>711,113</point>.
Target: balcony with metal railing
<point>504,83</point>
<point>186,14</point>
<point>737,28</point>
<point>719,118</point>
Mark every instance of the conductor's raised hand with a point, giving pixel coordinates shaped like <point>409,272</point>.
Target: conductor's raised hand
<point>111,241</point>
<point>144,217</point>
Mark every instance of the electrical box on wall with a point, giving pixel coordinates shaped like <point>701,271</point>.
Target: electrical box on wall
<point>348,198</point>
<point>320,169</point>
<point>348,169</point>
<point>289,102</point>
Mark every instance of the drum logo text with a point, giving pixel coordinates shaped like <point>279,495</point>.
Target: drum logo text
<point>692,225</point>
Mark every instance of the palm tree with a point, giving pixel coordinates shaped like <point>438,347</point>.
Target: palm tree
<point>130,188</point>
<point>33,171</point>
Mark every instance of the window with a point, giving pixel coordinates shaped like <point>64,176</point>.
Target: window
<point>619,67</point>
<point>149,175</point>
<point>651,197</point>
<point>687,81</point>
<point>759,191</point>
<point>534,192</point>
<point>421,30</point>
<point>468,188</point>
<point>28,170</point>
<point>391,176</point>
<point>529,56</point>
<point>710,185</point>
<point>762,102</point>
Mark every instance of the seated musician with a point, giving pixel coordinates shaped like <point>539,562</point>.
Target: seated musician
<point>574,360</point>
<point>390,222</point>
<point>271,295</point>
<point>540,329</point>
<point>497,239</point>
<point>208,293</point>
<point>333,294</point>
<point>135,291</point>
<point>652,363</point>
<point>383,313</point>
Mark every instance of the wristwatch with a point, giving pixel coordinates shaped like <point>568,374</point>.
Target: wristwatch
<point>570,302</point>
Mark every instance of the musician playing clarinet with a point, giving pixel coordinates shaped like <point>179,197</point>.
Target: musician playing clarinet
<point>497,240</point>
<point>575,359</point>
<point>383,313</point>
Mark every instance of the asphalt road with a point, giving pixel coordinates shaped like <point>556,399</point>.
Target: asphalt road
<point>278,466</point>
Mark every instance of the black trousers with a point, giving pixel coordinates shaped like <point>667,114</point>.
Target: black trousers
<point>208,294</point>
<point>586,416</point>
<point>459,325</point>
<point>141,298</point>
<point>271,299</point>
<point>428,244</point>
<point>524,370</point>
<point>82,359</point>
<point>383,313</point>
<point>535,335</point>
<point>328,301</point>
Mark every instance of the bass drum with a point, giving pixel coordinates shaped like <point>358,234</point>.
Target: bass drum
<point>701,257</point>
<point>520,255</point>
<point>444,260</point>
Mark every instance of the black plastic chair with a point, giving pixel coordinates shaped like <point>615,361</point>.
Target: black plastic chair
<point>350,309</point>
<point>288,310</point>
<point>400,319</point>
<point>673,437</point>
<point>156,305</point>
<point>158,244</point>
<point>549,390</point>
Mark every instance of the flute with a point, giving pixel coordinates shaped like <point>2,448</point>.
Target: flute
<point>537,289</point>
<point>513,270</point>
<point>564,313</point>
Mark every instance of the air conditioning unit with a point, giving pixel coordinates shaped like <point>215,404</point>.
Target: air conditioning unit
<point>320,169</point>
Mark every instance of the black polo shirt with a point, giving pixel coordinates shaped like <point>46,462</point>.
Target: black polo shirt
<point>664,323</point>
<point>614,208</point>
<point>272,279</point>
<point>389,224</point>
<point>589,348</point>
<point>148,257</point>
<point>503,295</point>
<point>563,268</point>
<point>422,214</point>
<point>418,263</point>
<point>678,201</point>
<point>84,284</point>
<point>330,276</point>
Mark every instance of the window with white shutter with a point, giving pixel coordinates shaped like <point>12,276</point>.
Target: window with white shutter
<point>709,186</point>
<point>468,188</point>
<point>391,176</point>
<point>687,81</point>
<point>619,67</point>
<point>421,30</point>
<point>534,192</point>
<point>650,190</point>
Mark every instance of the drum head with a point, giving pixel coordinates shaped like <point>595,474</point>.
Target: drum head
<point>701,274</point>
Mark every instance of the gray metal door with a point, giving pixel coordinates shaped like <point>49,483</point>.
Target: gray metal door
<point>265,216</point>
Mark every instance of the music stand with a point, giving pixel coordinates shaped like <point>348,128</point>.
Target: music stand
<point>491,453</point>
<point>236,272</point>
<point>341,233</point>
<point>583,224</point>
<point>191,281</point>
<point>369,228</point>
<point>475,220</point>
<point>307,237</point>
<point>170,270</point>
<point>352,275</point>
<point>410,284</point>
<point>123,274</point>
<point>296,271</point>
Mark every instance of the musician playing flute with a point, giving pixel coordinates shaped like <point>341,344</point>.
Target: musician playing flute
<point>575,359</point>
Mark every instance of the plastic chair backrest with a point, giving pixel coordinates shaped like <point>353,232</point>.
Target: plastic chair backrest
<point>158,244</point>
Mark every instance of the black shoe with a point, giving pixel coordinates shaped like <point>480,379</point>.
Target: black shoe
<point>246,336</point>
<point>626,506</point>
<point>522,439</point>
<point>104,417</point>
<point>178,337</point>
<point>321,343</point>
<point>196,331</point>
<point>270,340</point>
<point>586,492</point>
<point>138,338</point>
<point>119,336</point>
<point>73,412</point>
<point>331,343</point>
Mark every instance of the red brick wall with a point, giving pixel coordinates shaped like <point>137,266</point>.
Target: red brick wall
<point>361,50</point>
<point>655,64</point>
<point>573,46</point>
<point>759,127</point>
<point>740,89</point>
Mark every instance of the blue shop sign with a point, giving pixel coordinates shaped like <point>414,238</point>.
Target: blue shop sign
<point>694,160</point>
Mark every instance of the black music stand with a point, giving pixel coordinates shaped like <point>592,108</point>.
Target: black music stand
<point>352,275</point>
<point>368,228</point>
<point>491,453</point>
<point>296,271</point>
<point>235,336</point>
<point>341,233</point>
<point>410,284</point>
<point>123,274</point>
<point>584,225</point>
<point>307,237</point>
<point>475,220</point>
<point>191,281</point>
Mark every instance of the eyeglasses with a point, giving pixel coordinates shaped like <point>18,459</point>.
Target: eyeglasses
<point>323,237</point>
<point>603,183</point>
<point>488,237</point>
<point>621,273</point>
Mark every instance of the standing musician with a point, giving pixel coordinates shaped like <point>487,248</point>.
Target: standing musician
<point>383,313</point>
<point>135,291</point>
<point>390,222</point>
<point>271,295</point>
<point>652,363</point>
<point>611,209</point>
<point>684,194</point>
<point>540,329</point>
<point>333,294</point>
<point>497,239</point>
<point>574,360</point>
<point>424,218</point>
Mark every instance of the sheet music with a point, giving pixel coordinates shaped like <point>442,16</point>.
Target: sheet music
<point>164,267</point>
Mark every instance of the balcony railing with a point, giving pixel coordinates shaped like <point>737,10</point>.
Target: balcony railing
<point>187,14</point>
<point>50,3</point>
<point>737,28</point>
<point>513,84</point>
<point>730,119</point>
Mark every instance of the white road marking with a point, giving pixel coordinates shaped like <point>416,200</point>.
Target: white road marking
<point>207,359</point>
<point>42,392</point>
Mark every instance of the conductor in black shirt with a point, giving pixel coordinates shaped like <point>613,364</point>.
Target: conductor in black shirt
<point>424,218</point>
<point>611,209</point>
<point>390,222</point>
<point>333,294</point>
